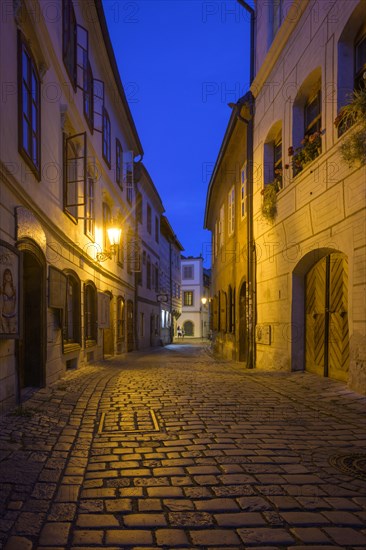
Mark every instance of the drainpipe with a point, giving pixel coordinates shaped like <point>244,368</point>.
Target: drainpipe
<point>170,293</point>
<point>251,259</point>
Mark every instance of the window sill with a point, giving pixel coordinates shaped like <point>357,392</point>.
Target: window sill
<point>90,343</point>
<point>71,348</point>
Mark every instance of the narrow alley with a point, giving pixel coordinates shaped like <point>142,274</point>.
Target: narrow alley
<point>173,448</point>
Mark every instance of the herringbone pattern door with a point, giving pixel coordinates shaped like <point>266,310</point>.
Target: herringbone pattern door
<point>326,323</point>
<point>315,318</point>
<point>338,348</point>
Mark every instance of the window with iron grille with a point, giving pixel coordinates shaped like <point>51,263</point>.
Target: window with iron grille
<point>188,298</point>
<point>106,138</point>
<point>29,108</point>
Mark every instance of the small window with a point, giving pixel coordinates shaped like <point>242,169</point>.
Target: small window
<point>90,208</point>
<point>120,318</point>
<point>119,163</point>
<point>148,273</point>
<point>360,64</point>
<point>188,272</point>
<point>157,229</point>
<point>139,207</point>
<point>106,222</point>
<point>69,39</point>
<point>71,317</point>
<point>231,211</point>
<point>89,98</point>
<point>148,218</point>
<point>312,115</point>
<point>188,298</point>
<point>106,138</point>
<point>242,193</point>
<point>221,227</point>
<point>29,109</point>
<point>90,313</point>
<point>277,163</point>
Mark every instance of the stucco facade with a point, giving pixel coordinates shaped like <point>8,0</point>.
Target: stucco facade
<point>195,287</point>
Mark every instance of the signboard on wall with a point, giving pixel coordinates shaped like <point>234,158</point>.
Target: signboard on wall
<point>263,334</point>
<point>9,291</point>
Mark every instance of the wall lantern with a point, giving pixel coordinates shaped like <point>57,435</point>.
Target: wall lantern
<point>114,236</point>
<point>204,301</point>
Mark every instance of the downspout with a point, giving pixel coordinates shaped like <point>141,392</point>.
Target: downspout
<point>251,261</point>
<point>170,293</point>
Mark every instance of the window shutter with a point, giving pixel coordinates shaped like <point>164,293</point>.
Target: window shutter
<point>103,310</point>
<point>56,288</point>
<point>75,171</point>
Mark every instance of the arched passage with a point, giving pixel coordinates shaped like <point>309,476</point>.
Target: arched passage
<point>320,333</point>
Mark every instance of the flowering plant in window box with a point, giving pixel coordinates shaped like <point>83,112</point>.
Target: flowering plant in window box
<point>269,204</point>
<point>353,148</point>
<point>310,148</point>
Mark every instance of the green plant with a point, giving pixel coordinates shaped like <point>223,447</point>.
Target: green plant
<point>353,147</point>
<point>269,204</point>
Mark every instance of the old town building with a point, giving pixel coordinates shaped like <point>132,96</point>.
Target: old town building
<point>69,166</point>
<point>169,281</point>
<point>308,233</point>
<point>195,298</point>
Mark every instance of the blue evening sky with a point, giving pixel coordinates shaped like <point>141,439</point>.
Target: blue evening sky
<point>181,63</point>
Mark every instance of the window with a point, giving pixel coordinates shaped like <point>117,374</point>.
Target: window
<point>142,324</point>
<point>139,207</point>
<point>89,97</point>
<point>360,63</point>
<point>156,269</point>
<point>106,222</point>
<point>89,208</point>
<point>120,318</point>
<point>221,227</point>
<point>106,138</point>
<point>231,210</point>
<point>277,163</point>
<point>148,273</point>
<point>119,163</point>
<point>188,298</point>
<point>90,313</point>
<point>277,9</point>
<point>71,318</point>
<point>242,193</point>
<point>75,152</point>
<point>128,176</point>
<point>148,218</point>
<point>312,115</point>
<point>156,229</point>
<point>69,39</point>
<point>29,109</point>
<point>188,272</point>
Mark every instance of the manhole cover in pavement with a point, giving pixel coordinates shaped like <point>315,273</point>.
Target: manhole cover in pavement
<point>352,464</point>
<point>143,420</point>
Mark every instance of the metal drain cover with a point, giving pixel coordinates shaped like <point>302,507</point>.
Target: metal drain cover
<point>143,420</point>
<point>353,464</point>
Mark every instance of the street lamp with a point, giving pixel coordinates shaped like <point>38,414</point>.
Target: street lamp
<point>114,236</point>
<point>204,301</point>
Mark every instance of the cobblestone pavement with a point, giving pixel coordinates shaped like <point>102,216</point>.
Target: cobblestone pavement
<point>172,449</point>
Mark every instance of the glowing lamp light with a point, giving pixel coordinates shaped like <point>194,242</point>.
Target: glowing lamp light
<point>114,236</point>
<point>204,300</point>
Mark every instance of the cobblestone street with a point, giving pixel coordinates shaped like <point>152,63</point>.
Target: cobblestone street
<point>173,449</point>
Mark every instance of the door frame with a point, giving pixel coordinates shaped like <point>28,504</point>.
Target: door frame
<point>27,245</point>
